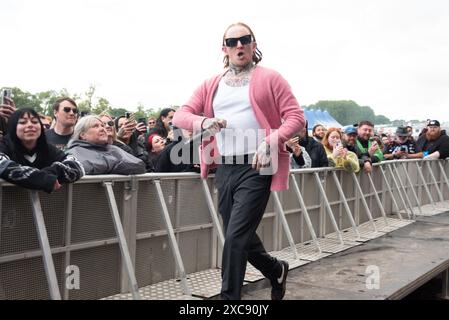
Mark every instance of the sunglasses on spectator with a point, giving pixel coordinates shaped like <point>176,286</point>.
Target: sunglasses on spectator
<point>68,109</point>
<point>109,123</point>
<point>46,126</point>
<point>232,42</point>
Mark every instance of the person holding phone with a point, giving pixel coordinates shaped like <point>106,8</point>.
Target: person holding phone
<point>402,147</point>
<point>368,147</point>
<point>245,98</point>
<point>132,134</point>
<point>337,154</point>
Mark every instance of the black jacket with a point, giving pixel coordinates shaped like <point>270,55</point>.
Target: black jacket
<point>441,144</point>
<point>177,157</point>
<point>37,169</point>
<point>316,152</point>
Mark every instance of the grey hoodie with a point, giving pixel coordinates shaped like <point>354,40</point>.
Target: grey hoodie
<point>105,159</point>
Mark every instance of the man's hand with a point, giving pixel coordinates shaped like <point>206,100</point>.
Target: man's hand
<point>8,108</point>
<point>373,148</point>
<point>141,127</point>
<point>56,186</point>
<point>213,125</point>
<point>367,167</point>
<point>127,129</point>
<point>262,158</point>
<point>292,142</point>
<point>296,149</point>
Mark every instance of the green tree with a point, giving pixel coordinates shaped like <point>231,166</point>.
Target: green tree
<point>380,119</point>
<point>117,112</point>
<point>347,112</point>
<point>101,106</point>
<point>24,99</point>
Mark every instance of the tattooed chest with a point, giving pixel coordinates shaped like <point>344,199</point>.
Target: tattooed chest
<point>237,80</point>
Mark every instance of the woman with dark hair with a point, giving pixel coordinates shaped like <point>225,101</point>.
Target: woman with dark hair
<point>27,160</point>
<point>156,144</point>
<point>164,127</point>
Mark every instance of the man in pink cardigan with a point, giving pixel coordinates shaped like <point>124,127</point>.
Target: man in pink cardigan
<point>253,113</point>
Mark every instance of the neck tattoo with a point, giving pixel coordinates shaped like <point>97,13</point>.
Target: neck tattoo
<point>238,76</point>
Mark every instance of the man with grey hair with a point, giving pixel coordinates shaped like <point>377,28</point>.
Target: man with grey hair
<point>89,144</point>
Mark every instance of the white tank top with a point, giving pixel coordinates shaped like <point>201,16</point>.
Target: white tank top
<point>243,133</point>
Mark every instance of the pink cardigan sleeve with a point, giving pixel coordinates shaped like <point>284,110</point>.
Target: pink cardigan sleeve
<point>189,116</point>
<point>289,110</point>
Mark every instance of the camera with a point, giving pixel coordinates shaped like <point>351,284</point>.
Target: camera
<point>6,92</point>
<point>403,148</point>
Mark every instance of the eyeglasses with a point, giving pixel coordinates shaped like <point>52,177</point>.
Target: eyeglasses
<point>109,123</point>
<point>152,122</point>
<point>68,109</point>
<point>232,42</point>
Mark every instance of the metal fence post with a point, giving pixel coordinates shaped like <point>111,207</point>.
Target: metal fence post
<point>285,224</point>
<point>122,240</point>
<point>213,212</point>
<point>49,266</point>
<point>412,188</point>
<point>172,239</point>
<point>379,203</point>
<point>345,203</point>
<point>425,185</point>
<point>440,195</point>
<point>444,174</point>
<point>391,193</point>
<point>328,207</point>
<point>305,212</point>
<point>399,190</point>
<point>410,205</point>
<point>68,232</point>
<point>362,197</point>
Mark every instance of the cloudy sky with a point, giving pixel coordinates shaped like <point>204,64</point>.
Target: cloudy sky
<point>391,55</point>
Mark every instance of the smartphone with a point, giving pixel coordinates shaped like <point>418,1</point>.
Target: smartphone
<point>6,92</point>
<point>127,115</point>
<point>142,120</point>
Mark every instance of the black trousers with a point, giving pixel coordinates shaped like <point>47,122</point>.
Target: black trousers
<point>243,196</point>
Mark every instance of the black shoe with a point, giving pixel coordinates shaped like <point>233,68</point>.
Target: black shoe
<point>279,285</point>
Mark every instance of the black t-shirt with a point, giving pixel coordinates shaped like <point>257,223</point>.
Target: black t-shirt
<point>57,140</point>
<point>408,146</point>
<point>441,144</point>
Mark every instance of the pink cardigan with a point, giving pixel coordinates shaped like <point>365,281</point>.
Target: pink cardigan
<point>276,110</point>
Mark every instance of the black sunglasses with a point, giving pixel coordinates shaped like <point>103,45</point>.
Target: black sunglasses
<point>109,123</point>
<point>68,109</point>
<point>232,42</point>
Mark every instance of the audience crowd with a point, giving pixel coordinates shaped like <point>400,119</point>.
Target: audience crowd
<point>39,152</point>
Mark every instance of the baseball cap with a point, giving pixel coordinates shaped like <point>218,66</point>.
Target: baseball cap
<point>350,130</point>
<point>401,132</point>
<point>433,123</point>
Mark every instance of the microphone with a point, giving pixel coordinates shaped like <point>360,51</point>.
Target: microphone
<point>201,135</point>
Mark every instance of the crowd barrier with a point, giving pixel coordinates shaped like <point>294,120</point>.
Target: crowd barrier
<point>163,232</point>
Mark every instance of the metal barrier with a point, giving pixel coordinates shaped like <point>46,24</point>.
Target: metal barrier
<point>159,236</point>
